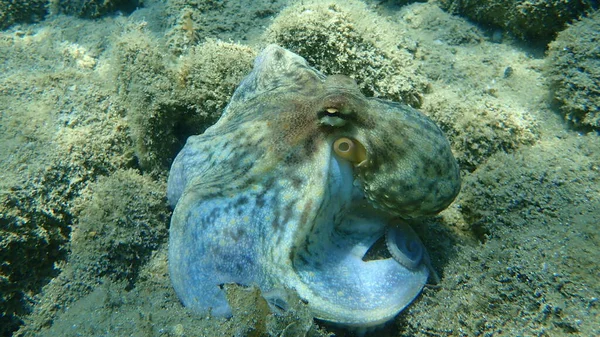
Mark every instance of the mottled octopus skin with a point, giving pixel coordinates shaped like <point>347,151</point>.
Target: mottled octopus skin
<point>261,197</point>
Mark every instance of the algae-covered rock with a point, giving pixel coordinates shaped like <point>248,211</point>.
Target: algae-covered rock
<point>528,19</point>
<point>170,99</point>
<point>348,38</point>
<point>60,128</point>
<point>122,219</point>
<point>119,221</point>
<point>29,11</point>
<point>573,69</point>
<point>145,86</point>
<point>205,79</point>
<point>93,8</point>
<point>480,125</point>
<point>33,234</point>
<point>12,11</point>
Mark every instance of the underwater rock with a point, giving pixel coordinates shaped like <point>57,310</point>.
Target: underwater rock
<point>121,220</point>
<point>348,38</point>
<point>93,8</point>
<point>536,20</point>
<point>573,69</point>
<point>169,101</point>
<point>12,12</point>
<point>298,179</point>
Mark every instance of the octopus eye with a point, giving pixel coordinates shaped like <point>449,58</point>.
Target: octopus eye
<point>332,117</point>
<point>351,150</point>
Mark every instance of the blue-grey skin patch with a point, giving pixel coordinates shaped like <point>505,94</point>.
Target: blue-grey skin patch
<point>262,197</point>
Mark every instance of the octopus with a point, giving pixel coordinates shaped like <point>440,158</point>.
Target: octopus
<point>297,181</point>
